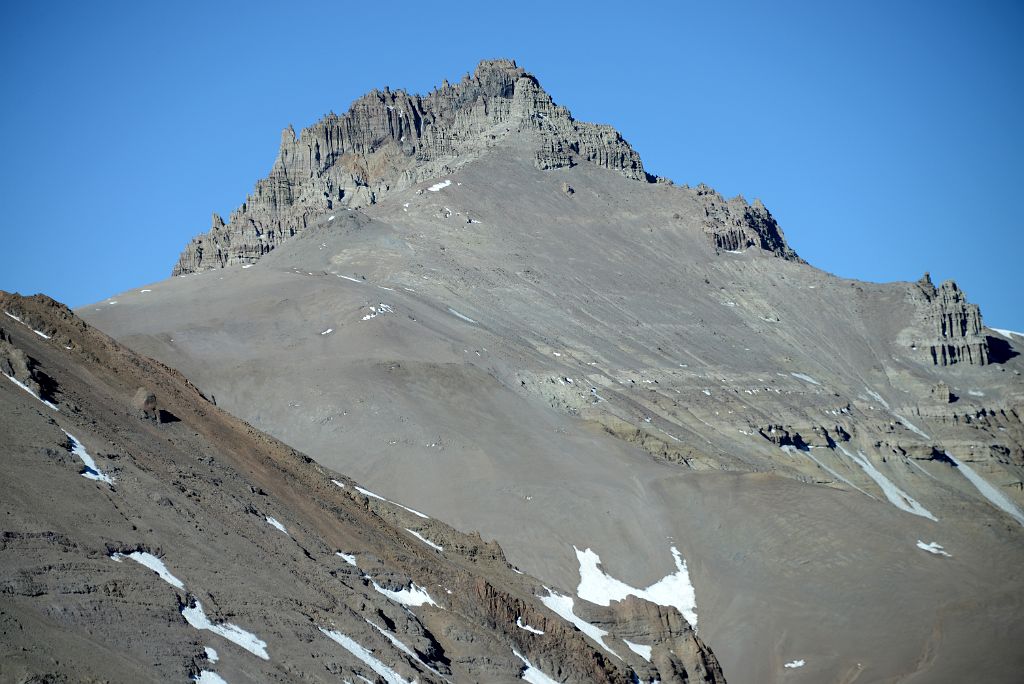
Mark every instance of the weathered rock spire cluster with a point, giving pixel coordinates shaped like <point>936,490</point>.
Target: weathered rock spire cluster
<point>390,140</point>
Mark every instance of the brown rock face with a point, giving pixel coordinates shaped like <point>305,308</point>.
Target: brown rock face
<point>391,140</point>
<point>950,327</point>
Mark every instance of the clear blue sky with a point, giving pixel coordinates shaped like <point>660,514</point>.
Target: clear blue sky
<point>886,137</point>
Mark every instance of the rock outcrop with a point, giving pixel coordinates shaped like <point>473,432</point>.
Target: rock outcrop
<point>735,225</point>
<point>949,329</point>
<point>391,140</point>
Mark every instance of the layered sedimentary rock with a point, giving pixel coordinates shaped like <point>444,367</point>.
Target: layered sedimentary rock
<point>390,140</point>
<point>735,225</point>
<point>950,329</point>
<point>335,582</point>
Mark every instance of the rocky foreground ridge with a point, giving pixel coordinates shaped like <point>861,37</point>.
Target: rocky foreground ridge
<point>391,140</point>
<point>149,536</point>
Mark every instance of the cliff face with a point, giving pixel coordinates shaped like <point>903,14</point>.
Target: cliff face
<point>390,140</point>
<point>949,329</point>
<point>735,225</point>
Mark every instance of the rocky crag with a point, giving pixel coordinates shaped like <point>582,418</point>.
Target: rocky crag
<point>948,328</point>
<point>195,547</point>
<point>391,140</point>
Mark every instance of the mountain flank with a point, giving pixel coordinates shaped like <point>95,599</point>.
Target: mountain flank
<point>150,536</point>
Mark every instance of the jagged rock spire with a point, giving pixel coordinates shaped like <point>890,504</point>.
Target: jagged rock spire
<point>390,140</point>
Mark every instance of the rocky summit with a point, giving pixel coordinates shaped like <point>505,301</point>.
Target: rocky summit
<point>663,445</point>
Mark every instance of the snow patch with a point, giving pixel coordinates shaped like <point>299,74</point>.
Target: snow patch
<point>328,331</point>
<point>367,492</point>
<point>424,539</point>
<point>995,497</point>
<point>90,472</point>
<point>29,390</point>
<point>347,557</point>
<point>455,313</point>
<point>1008,334</point>
<point>601,589</point>
<point>562,606</point>
<point>896,496</point>
<point>525,627</point>
<point>439,186</point>
<point>413,596</point>
<point>933,547</point>
<point>793,664</point>
<point>211,654</point>
<point>354,280</point>
<point>910,426</point>
<point>385,672</point>
<point>805,378</point>
<point>233,633</point>
<point>641,650</point>
<point>532,674</point>
<point>877,397</point>
<point>208,677</point>
<point>378,310</point>
<point>273,522</point>
<point>153,563</point>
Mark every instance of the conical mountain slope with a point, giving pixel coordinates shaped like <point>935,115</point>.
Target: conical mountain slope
<point>570,355</point>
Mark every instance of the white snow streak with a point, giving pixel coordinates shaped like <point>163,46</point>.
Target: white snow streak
<point>805,378</point>
<point>328,331</point>
<point>601,589</point>
<point>1008,334</point>
<point>532,674</point>
<point>389,675</point>
<point>354,280</point>
<point>274,523</point>
<point>208,677</point>
<point>233,633</point>
<point>153,563</point>
<point>90,472</point>
<point>29,390</point>
<point>347,557</point>
<point>439,186</point>
<point>877,397</point>
<point>795,664</point>
<point>394,640</point>
<point>562,606</point>
<point>413,596</point>
<point>910,426</point>
<point>641,650</point>
<point>837,475</point>
<point>933,547</point>
<point>458,315</point>
<point>896,496</point>
<point>367,492</point>
<point>424,539</point>
<point>995,497</point>
<point>525,627</point>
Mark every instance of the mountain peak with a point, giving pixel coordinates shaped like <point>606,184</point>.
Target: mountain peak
<point>389,140</point>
